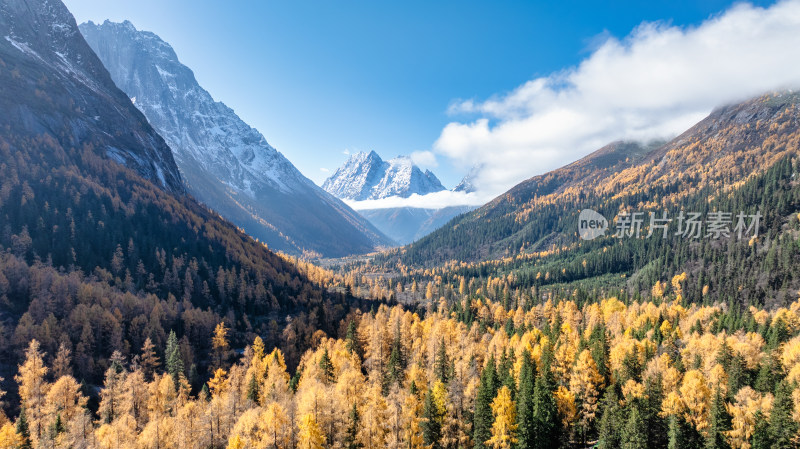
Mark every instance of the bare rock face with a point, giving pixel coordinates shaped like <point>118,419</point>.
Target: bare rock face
<point>53,86</point>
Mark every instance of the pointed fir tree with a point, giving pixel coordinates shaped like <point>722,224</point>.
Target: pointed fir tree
<point>483,419</point>
<point>766,379</point>
<point>351,434</point>
<point>545,414</point>
<point>174,360</point>
<point>525,428</point>
<point>761,438</point>
<point>23,430</point>
<point>738,376</point>
<point>58,426</point>
<point>431,423</point>
<point>396,365</point>
<point>611,422</point>
<point>252,390</point>
<point>682,435</point>
<point>650,408</point>
<point>351,339</point>
<point>294,382</point>
<point>326,366</point>
<point>634,434</point>
<point>719,423</point>
<point>505,376</point>
<point>599,347</point>
<point>783,430</point>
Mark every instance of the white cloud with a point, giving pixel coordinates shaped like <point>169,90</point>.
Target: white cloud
<point>346,151</point>
<point>655,83</point>
<point>424,159</point>
<point>436,200</point>
<point>324,170</point>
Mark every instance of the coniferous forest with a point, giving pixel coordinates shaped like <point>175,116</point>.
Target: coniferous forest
<point>134,316</point>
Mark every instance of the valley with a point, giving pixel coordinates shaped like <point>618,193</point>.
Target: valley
<point>168,279</point>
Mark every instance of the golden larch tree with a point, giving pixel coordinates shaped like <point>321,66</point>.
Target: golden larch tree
<point>504,429</point>
<point>33,388</point>
<point>697,398</point>
<point>310,436</point>
<point>585,384</point>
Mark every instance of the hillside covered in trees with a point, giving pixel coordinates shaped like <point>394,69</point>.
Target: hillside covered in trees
<point>741,159</point>
<point>99,254</point>
<point>468,373</point>
<point>131,316</point>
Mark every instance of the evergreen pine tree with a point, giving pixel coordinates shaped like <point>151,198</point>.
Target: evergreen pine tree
<point>611,422</point>
<point>766,378</point>
<point>174,360</point>
<point>23,430</point>
<point>351,434</point>
<point>252,390</point>
<point>634,434</point>
<point>483,419</point>
<point>738,376</point>
<point>397,363</point>
<point>351,339</point>
<point>525,428</point>
<point>650,408</point>
<point>720,422</point>
<point>783,430</point>
<point>761,435</point>
<point>58,426</point>
<point>545,415</point>
<point>598,345</point>
<point>682,435</point>
<point>326,366</point>
<point>431,423</point>
<point>294,382</point>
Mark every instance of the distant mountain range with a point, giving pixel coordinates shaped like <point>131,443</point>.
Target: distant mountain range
<point>365,176</point>
<point>225,163</point>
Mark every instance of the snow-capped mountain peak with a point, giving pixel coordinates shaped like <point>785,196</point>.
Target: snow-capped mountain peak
<point>467,184</point>
<point>365,176</point>
<point>195,125</point>
<point>226,163</point>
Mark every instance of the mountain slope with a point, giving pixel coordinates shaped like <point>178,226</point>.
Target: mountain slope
<point>365,176</point>
<point>225,163</point>
<point>52,86</point>
<point>723,150</point>
<point>97,251</point>
<point>742,158</point>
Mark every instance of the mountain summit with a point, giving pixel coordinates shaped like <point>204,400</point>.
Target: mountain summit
<point>365,176</point>
<point>226,163</point>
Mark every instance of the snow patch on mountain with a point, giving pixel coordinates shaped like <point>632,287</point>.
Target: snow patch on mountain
<point>194,125</point>
<point>225,163</point>
<point>365,176</point>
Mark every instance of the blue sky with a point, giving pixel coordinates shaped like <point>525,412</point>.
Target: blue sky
<point>321,78</point>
